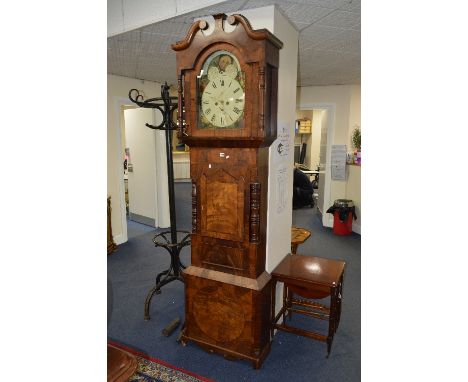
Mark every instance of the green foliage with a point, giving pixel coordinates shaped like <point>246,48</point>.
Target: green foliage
<point>356,137</point>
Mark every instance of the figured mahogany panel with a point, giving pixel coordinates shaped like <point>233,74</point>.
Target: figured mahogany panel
<point>232,318</point>
<point>234,257</point>
<point>223,255</point>
<point>222,205</point>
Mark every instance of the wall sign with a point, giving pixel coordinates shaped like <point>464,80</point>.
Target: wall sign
<point>282,144</point>
<point>338,162</point>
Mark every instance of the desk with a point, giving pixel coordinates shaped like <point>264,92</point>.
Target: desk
<point>311,278</point>
<point>311,172</point>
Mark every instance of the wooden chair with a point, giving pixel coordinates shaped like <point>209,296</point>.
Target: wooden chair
<point>120,364</point>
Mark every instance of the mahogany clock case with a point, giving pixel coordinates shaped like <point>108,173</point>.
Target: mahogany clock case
<point>227,290</point>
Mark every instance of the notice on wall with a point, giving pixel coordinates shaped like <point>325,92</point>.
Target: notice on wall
<point>282,144</point>
<point>338,162</point>
<point>281,189</point>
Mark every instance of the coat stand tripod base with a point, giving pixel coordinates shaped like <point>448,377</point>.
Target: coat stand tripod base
<point>174,272</point>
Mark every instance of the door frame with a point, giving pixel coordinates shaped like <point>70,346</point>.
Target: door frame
<point>118,103</point>
<point>327,219</point>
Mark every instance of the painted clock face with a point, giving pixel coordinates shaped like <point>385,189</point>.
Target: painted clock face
<point>221,92</point>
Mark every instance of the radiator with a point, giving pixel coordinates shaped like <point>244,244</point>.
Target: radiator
<point>182,168</point>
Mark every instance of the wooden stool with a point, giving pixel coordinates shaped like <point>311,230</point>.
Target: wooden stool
<point>298,236</point>
<point>312,278</point>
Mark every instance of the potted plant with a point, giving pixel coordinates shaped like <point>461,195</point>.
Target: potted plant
<point>356,138</point>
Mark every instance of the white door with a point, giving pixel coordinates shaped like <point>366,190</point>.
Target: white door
<point>322,162</point>
<point>141,141</point>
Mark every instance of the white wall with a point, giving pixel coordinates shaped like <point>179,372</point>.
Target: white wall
<point>353,192</point>
<point>347,102</point>
<point>353,185</point>
<point>117,95</point>
<point>279,223</point>
<point>354,112</point>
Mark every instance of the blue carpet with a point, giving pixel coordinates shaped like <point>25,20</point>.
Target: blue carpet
<point>131,274</point>
<point>135,229</point>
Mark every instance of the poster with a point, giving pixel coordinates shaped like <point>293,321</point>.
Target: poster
<point>281,189</point>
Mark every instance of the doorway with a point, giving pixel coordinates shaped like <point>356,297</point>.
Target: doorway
<point>139,164</point>
<point>319,151</point>
<point>144,181</point>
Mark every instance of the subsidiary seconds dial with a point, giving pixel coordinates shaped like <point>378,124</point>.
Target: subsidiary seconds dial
<point>223,101</point>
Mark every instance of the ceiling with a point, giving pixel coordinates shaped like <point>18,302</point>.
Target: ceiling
<point>329,41</point>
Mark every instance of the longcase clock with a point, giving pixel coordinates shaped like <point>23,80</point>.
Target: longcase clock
<point>227,83</point>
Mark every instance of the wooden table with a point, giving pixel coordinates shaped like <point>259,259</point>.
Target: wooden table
<point>311,278</point>
<point>298,236</point>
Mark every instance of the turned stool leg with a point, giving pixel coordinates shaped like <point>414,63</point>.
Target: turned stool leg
<point>294,248</point>
<point>273,301</point>
<point>289,297</point>
<point>332,318</point>
<point>285,301</point>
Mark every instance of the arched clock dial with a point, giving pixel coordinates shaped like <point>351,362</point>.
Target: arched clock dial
<point>223,101</point>
<point>221,92</point>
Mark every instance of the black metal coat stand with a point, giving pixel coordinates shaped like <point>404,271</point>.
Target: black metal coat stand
<point>166,106</point>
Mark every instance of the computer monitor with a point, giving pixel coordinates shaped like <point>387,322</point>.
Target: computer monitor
<point>303,153</point>
<point>297,153</point>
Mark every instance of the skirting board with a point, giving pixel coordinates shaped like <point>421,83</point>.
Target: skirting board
<point>142,219</point>
<point>357,228</point>
<point>119,239</point>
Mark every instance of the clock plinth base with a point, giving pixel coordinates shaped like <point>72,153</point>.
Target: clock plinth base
<point>229,354</point>
<point>228,314</point>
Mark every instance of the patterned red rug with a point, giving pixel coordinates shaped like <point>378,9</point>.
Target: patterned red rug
<point>154,370</point>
